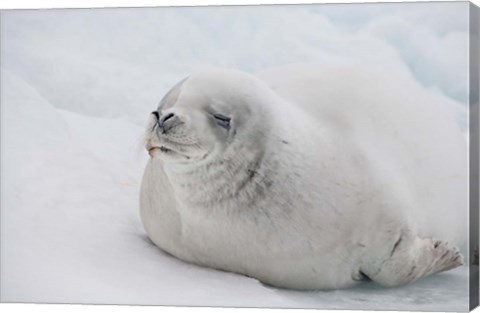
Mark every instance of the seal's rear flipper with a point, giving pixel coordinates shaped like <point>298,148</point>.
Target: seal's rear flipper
<point>412,258</point>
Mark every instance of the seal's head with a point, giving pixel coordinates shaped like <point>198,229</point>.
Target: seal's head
<point>205,114</point>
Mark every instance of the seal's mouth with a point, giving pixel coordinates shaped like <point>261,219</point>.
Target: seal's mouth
<point>162,149</point>
<point>172,151</point>
<point>165,149</point>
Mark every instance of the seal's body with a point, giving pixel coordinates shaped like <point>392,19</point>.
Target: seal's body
<point>245,180</point>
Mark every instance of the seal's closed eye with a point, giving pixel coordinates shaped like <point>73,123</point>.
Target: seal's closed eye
<point>222,120</point>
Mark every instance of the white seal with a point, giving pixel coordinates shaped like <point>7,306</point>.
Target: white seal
<point>308,178</point>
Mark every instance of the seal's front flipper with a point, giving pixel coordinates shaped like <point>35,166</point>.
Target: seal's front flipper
<point>412,258</point>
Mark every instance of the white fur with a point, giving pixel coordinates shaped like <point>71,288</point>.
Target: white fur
<point>321,180</point>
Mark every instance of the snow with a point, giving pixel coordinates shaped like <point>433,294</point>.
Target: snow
<point>125,58</point>
<point>76,89</point>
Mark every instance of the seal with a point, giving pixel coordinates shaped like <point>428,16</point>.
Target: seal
<point>303,177</point>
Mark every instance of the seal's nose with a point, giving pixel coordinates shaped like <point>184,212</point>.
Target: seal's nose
<point>161,121</point>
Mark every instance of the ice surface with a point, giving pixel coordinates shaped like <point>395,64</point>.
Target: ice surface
<point>75,91</point>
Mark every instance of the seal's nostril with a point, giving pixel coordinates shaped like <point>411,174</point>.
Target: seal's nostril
<point>168,116</point>
<point>156,114</point>
<point>165,118</point>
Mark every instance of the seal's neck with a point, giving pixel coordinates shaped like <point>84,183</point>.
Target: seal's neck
<point>238,177</point>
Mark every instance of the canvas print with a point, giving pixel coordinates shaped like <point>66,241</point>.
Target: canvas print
<point>280,156</point>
